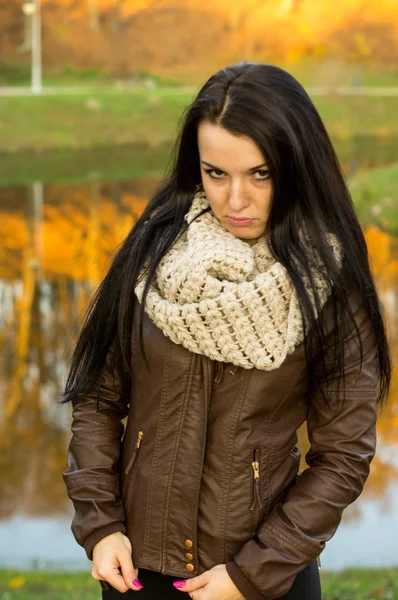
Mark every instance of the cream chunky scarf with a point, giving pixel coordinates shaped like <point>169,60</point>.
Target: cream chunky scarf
<point>218,296</point>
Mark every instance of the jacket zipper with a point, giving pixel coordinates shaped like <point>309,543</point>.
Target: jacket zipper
<point>219,368</point>
<point>219,371</point>
<point>132,464</point>
<point>257,503</point>
<point>295,452</point>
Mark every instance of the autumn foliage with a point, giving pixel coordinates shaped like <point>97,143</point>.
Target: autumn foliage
<point>169,36</point>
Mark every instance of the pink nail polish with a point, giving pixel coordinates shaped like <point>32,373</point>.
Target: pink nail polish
<point>179,584</point>
<point>137,583</point>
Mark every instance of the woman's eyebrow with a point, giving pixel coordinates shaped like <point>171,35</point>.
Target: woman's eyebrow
<point>252,170</point>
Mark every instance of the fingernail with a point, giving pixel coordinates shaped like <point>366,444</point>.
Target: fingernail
<point>179,584</point>
<point>137,583</point>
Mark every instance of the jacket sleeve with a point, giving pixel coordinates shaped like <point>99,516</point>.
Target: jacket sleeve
<point>92,478</point>
<point>342,445</point>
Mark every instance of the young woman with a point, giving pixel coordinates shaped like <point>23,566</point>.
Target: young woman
<point>240,306</point>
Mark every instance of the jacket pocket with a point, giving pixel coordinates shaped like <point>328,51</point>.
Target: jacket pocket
<point>131,470</point>
<point>257,504</point>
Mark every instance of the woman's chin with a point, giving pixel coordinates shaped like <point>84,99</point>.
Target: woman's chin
<point>246,236</point>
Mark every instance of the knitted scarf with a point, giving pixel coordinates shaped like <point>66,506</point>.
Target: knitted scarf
<point>220,297</point>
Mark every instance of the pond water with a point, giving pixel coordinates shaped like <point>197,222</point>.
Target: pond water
<point>57,240</point>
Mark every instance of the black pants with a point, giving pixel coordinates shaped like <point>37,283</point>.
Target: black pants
<point>306,586</point>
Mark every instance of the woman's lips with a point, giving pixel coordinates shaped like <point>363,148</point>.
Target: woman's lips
<point>240,222</point>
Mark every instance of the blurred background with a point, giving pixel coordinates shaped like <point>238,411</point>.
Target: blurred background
<point>91,93</point>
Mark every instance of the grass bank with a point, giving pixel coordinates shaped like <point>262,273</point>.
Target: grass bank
<point>107,116</point>
<point>375,194</point>
<point>117,163</point>
<point>88,119</point>
<point>352,584</point>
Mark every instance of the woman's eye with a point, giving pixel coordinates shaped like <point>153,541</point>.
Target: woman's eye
<point>260,175</point>
<point>215,173</point>
<point>263,174</point>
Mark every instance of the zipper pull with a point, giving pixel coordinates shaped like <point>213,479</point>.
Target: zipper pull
<point>256,469</point>
<point>140,436</point>
<point>256,475</point>
<point>134,455</point>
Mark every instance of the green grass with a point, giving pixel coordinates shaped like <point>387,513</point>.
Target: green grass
<point>375,194</point>
<point>18,585</point>
<point>89,120</point>
<point>360,584</point>
<point>352,584</point>
<point>103,117</point>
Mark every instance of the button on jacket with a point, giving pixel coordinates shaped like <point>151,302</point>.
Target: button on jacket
<point>206,470</point>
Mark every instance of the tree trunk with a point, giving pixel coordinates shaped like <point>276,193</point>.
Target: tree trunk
<point>93,15</point>
<point>116,17</point>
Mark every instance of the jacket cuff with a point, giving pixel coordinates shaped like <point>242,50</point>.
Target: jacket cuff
<point>98,534</point>
<point>243,584</point>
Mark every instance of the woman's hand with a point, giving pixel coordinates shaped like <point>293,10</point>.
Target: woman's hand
<point>214,584</point>
<point>112,562</point>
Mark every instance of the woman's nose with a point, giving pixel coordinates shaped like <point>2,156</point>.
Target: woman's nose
<point>238,199</point>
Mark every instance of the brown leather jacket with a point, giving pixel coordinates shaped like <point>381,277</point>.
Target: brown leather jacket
<point>206,470</point>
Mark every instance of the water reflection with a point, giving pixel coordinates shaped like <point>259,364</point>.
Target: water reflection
<point>57,242</point>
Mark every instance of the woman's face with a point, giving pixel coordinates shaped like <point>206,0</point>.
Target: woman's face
<point>236,180</point>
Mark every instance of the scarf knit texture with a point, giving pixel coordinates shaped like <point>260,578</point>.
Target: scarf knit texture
<point>222,298</point>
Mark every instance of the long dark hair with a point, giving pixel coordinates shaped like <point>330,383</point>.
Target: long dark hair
<point>268,105</point>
